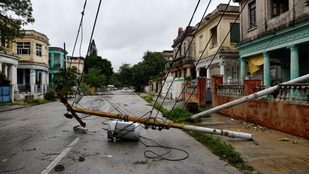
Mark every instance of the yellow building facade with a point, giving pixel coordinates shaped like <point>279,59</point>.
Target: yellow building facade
<point>32,71</point>
<point>216,53</point>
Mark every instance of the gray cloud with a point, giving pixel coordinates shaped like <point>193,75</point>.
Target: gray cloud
<point>125,28</point>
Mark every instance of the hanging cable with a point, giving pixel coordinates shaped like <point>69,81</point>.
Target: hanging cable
<point>94,24</point>
<point>213,56</point>
<point>79,29</point>
<point>199,24</point>
<point>174,59</point>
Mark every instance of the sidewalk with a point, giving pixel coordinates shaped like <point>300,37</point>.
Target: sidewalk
<point>5,108</point>
<point>271,151</point>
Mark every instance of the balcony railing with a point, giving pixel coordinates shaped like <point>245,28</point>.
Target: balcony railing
<point>230,90</point>
<point>296,93</point>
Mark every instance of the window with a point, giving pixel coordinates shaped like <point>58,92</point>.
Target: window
<point>279,7</point>
<point>235,33</point>
<point>23,48</point>
<point>38,50</point>
<point>201,43</point>
<point>252,9</point>
<point>213,32</point>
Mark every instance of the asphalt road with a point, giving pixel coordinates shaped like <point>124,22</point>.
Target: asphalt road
<point>35,139</point>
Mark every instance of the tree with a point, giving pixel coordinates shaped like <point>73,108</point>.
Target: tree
<point>4,81</point>
<point>154,63</point>
<point>125,74</point>
<point>13,14</point>
<point>67,79</point>
<point>104,65</point>
<point>138,76</point>
<point>93,51</point>
<point>94,78</point>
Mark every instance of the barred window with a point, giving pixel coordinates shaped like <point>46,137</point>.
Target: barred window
<point>252,9</point>
<point>38,50</point>
<point>214,40</point>
<point>279,7</point>
<point>23,48</point>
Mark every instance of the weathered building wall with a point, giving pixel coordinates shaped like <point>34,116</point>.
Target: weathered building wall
<point>198,95</point>
<point>284,116</point>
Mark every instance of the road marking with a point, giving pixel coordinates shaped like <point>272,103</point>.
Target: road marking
<point>56,161</point>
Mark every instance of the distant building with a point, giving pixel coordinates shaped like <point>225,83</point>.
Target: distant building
<point>184,53</point>
<point>57,60</point>
<point>168,56</point>
<point>77,62</point>
<point>32,70</point>
<point>274,40</point>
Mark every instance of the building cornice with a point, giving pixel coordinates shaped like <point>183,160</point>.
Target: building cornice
<point>290,36</point>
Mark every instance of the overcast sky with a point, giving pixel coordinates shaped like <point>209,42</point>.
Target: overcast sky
<point>125,29</point>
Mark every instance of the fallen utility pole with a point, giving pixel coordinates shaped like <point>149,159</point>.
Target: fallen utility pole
<point>246,98</point>
<point>163,124</point>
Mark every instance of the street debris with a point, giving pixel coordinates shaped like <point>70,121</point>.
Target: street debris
<point>81,159</point>
<point>59,168</point>
<point>284,139</point>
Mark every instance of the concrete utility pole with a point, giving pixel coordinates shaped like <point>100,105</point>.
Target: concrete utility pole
<point>246,98</point>
<point>163,124</point>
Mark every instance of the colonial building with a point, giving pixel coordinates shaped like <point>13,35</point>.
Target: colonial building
<point>8,56</point>
<point>210,58</point>
<point>32,70</point>
<point>57,60</point>
<point>77,62</point>
<point>184,54</point>
<point>274,38</point>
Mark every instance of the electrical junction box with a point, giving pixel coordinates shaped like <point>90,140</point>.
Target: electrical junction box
<point>123,130</point>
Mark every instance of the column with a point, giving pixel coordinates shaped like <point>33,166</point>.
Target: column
<point>208,73</point>
<point>13,76</point>
<point>197,72</point>
<point>0,66</point>
<point>52,59</point>
<point>266,69</point>
<point>242,69</point>
<point>5,71</point>
<point>208,77</point>
<point>47,80</point>
<point>188,72</point>
<point>32,80</point>
<point>222,70</point>
<point>294,71</point>
<point>43,82</point>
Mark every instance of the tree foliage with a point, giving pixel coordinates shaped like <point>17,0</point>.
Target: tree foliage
<point>67,78</point>
<point>139,75</point>
<point>4,81</point>
<point>13,14</point>
<point>104,65</point>
<point>125,74</point>
<point>94,78</point>
<point>153,63</point>
<point>93,51</point>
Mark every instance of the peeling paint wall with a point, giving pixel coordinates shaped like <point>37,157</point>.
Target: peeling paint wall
<point>283,116</point>
<point>199,95</point>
